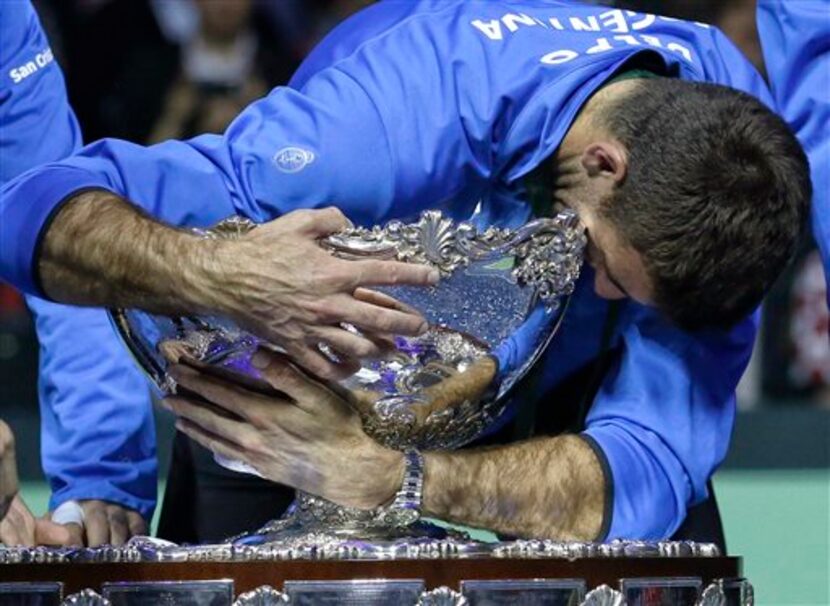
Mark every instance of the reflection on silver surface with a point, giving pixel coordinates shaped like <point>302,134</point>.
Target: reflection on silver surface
<point>500,299</point>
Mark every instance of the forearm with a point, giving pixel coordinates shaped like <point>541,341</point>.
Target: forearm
<point>101,250</point>
<point>546,488</point>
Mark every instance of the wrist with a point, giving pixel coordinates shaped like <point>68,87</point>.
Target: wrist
<point>207,275</point>
<point>381,479</point>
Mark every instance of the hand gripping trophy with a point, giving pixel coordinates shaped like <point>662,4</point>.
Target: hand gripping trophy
<point>501,297</point>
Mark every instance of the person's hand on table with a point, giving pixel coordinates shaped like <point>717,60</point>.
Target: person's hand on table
<point>93,522</point>
<point>310,438</point>
<point>17,524</point>
<point>279,283</point>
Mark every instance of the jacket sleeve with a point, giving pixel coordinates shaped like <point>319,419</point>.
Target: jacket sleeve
<point>98,438</point>
<point>795,37</point>
<point>97,433</point>
<point>289,150</point>
<point>662,420</point>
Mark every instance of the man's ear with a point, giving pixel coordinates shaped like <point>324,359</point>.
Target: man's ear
<point>606,159</point>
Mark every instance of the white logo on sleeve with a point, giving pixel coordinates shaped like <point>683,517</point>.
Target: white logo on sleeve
<point>36,63</point>
<point>293,159</point>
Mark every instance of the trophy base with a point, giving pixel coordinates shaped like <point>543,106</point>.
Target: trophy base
<point>316,528</point>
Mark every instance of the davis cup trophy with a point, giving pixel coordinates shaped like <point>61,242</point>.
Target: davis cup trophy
<point>500,299</point>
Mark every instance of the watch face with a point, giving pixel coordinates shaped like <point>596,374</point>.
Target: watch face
<point>397,516</point>
<point>408,516</point>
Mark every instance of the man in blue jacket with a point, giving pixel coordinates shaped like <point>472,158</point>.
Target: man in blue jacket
<point>692,196</point>
<point>98,438</point>
<point>110,470</point>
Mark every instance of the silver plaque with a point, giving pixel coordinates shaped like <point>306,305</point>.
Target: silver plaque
<point>371,592</point>
<point>662,592</point>
<point>31,594</point>
<point>170,593</point>
<point>524,592</point>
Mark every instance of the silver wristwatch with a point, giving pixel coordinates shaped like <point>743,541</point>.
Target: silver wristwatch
<point>405,508</point>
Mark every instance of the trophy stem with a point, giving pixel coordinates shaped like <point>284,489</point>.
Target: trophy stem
<point>313,523</point>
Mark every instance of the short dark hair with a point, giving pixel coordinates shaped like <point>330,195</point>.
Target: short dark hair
<point>715,199</point>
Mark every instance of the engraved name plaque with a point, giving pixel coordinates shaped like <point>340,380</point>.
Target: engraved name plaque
<point>372,592</point>
<point>30,594</point>
<point>170,593</point>
<point>662,592</point>
<point>524,592</point>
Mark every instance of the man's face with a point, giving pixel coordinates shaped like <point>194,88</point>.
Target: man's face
<point>619,269</point>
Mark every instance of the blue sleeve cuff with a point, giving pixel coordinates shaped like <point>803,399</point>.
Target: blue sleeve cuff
<point>27,206</point>
<point>608,482</point>
<point>644,504</point>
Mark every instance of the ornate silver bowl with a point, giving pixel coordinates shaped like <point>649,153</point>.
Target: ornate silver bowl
<point>501,297</point>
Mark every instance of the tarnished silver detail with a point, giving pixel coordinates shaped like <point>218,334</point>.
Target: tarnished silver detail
<point>604,596</point>
<point>442,596</point>
<point>87,597</point>
<point>713,595</point>
<point>262,596</point>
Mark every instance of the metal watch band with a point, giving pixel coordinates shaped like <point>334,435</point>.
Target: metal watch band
<point>410,495</point>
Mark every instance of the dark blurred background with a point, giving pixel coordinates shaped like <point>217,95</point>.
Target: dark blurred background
<point>149,70</point>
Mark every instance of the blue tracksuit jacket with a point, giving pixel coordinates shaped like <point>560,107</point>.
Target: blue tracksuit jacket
<point>98,437</point>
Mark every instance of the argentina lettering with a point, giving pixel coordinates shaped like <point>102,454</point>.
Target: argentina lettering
<point>619,28</point>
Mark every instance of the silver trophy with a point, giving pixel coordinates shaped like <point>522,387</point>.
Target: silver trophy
<point>501,297</point>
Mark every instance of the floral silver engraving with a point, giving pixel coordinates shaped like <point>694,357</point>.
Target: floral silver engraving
<point>87,597</point>
<point>442,596</point>
<point>614,549</point>
<point>604,596</point>
<point>262,596</point>
<point>296,544</point>
<point>713,595</point>
<point>548,251</point>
